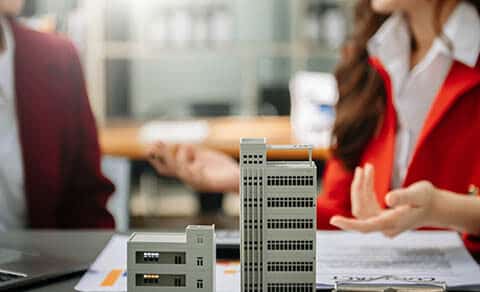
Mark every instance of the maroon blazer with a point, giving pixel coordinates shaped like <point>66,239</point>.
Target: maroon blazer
<point>64,186</point>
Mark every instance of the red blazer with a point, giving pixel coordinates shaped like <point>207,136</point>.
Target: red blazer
<point>64,187</point>
<point>447,152</point>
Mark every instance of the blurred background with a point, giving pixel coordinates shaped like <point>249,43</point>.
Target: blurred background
<point>190,60</point>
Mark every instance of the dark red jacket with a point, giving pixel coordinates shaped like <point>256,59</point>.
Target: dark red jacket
<point>64,187</point>
<point>446,154</point>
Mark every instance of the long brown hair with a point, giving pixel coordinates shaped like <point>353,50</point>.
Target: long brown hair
<point>362,95</point>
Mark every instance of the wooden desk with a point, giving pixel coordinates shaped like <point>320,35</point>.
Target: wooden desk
<point>121,138</point>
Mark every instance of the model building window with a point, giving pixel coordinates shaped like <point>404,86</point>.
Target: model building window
<point>199,261</point>
<point>200,284</point>
<point>199,239</point>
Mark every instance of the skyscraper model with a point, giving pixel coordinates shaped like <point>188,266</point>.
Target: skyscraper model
<point>277,219</point>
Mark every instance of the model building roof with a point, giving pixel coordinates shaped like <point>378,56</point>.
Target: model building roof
<point>160,237</point>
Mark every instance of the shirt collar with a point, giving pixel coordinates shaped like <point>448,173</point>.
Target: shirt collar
<point>462,29</point>
<point>6,59</point>
<point>392,40</point>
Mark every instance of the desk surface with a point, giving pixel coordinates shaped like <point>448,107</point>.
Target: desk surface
<point>122,139</point>
<point>83,246</point>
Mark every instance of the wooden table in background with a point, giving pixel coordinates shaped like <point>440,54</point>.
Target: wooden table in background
<point>122,139</point>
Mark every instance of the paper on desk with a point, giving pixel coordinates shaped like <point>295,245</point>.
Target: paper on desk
<point>108,272</point>
<point>227,276</point>
<point>437,254</point>
<point>174,131</point>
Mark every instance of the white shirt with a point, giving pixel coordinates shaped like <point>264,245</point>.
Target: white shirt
<point>12,198</point>
<point>414,91</point>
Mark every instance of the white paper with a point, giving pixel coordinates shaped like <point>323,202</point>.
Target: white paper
<point>227,277</point>
<point>427,254</point>
<point>174,131</point>
<point>437,254</point>
<point>114,256</point>
<point>91,280</point>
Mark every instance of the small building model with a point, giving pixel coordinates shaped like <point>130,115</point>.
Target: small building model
<point>172,261</point>
<point>277,220</point>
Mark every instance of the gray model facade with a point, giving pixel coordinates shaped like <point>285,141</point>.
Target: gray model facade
<point>172,261</point>
<point>277,220</point>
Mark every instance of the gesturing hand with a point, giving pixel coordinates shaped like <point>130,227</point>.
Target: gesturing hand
<point>410,208</point>
<point>202,169</point>
<point>362,193</point>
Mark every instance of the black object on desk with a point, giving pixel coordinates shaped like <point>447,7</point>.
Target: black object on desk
<point>81,247</point>
<point>228,244</point>
<point>19,267</point>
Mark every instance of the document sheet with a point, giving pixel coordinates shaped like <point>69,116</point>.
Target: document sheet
<point>108,272</point>
<point>438,255</point>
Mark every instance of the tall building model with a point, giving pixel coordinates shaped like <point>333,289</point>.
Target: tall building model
<point>277,220</point>
<point>172,261</point>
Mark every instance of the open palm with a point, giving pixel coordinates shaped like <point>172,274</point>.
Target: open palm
<point>202,169</point>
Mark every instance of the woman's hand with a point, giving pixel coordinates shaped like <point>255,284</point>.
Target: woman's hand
<point>202,169</point>
<point>362,193</point>
<point>410,207</point>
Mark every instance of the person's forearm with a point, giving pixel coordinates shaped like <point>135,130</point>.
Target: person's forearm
<point>236,182</point>
<point>458,212</point>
